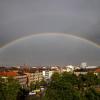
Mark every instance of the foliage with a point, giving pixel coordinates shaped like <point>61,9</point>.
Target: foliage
<point>55,76</point>
<point>43,83</point>
<point>91,79</point>
<point>23,94</point>
<point>91,94</point>
<point>68,77</point>
<point>61,88</point>
<point>37,84</point>
<point>67,86</point>
<point>32,86</point>
<point>9,89</point>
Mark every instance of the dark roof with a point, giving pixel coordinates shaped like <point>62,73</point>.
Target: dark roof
<point>3,69</point>
<point>85,70</point>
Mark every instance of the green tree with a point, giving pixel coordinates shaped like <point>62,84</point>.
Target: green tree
<point>23,94</point>
<point>81,82</point>
<point>92,94</point>
<point>61,88</point>
<point>69,77</point>
<point>43,83</point>
<point>37,84</point>
<point>2,88</point>
<point>32,86</point>
<point>9,89</point>
<point>59,91</point>
<point>55,76</point>
<point>91,79</point>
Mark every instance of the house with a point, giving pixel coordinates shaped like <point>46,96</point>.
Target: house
<point>84,71</point>
<point>22,79</point>
<point>8,73</point>
<point>97,71</point>
<point>47,74</point>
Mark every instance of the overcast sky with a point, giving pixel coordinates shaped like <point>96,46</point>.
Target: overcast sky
<point>47,49</point>
<point>23,17</point>
<point>19,18</point>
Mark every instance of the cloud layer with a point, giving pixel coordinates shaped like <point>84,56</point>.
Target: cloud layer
<point>19,18</point>
<point>47,49</point>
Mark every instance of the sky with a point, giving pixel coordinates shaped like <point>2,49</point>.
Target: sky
<point>50,49</point>
<point>19,18</point>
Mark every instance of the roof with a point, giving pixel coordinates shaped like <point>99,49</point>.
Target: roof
<point>85,70</point>
<point>97,70</point>
<point>8,74</point>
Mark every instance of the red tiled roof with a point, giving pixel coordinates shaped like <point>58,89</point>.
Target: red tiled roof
<point>8,73</point>
<point>97,70</point>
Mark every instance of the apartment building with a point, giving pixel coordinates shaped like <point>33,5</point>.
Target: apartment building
<point>47,74</point>
<point>37,76</point>
<point>23,79</point>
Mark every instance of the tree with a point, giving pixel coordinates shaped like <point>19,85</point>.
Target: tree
<point>81,82</point>
<point>55,76</point>
<point>59,91</point>
<point>91,94</point>
<point>43,83</point>
<point>68,77</point>
<point>67,86</point>
<point>91,79</point>
<point>9,89</point>
<point>23,94</point>
<point>61,88</point>
<point>2,88</point>
<point>37,84</point>
<point>32,86</point>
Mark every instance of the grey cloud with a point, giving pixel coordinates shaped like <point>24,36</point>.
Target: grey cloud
<point>19,18</point>
<point>50,49</point>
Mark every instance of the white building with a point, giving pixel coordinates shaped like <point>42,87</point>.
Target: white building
<point>83,65</point>
<point>47,74</point>
<point>91,67</point>
<point>69,68</point>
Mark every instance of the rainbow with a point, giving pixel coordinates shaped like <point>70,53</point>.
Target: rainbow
<point>39,34</point>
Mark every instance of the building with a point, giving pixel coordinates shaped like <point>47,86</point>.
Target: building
<point>77,72</point>
<point>4,79</point>
<point>37,76</point>
<point>8,73</point>
<point>47,74</point>
<point>69,68</point>
<point>22,79</point>
<point>97,71</point>
<point>83,65</point>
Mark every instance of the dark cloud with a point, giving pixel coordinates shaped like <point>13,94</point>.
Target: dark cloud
<point>50,49</point>
<point>19,18</point>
